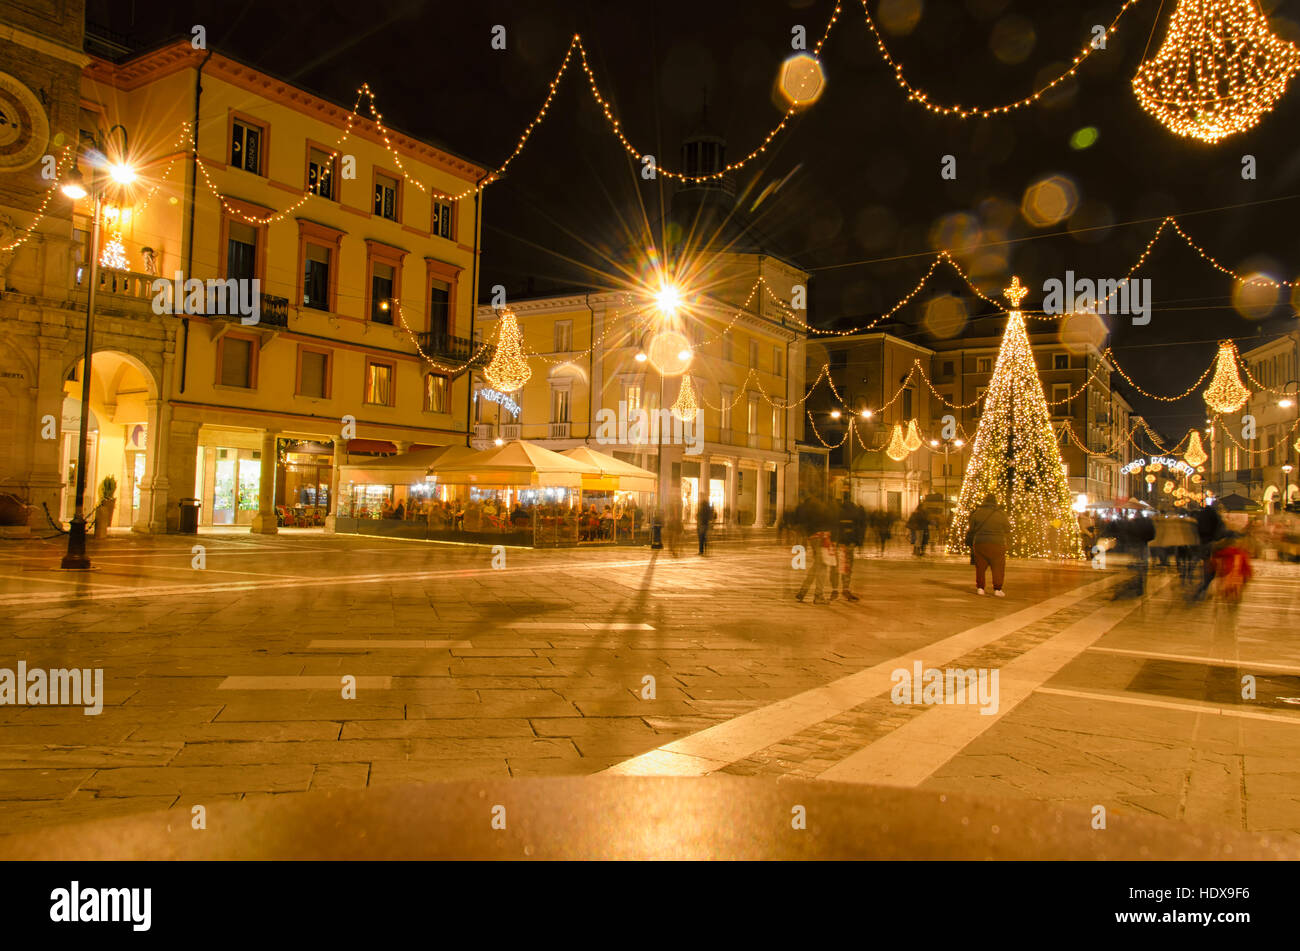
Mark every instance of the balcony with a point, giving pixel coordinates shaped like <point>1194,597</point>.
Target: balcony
<point>510,431</point>
<point>454,349</point>
<point>559,430</point>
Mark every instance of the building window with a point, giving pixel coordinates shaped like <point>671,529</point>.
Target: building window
<point>752,425</point>
<point>320,173</point>
<point>753,354</point>
<point>316,278</point>
<point>1061,399</point>
<point>241,251</point>
<point>560,405</point>
<point>381,292</point>
<point>948,368</point>
<point>441,227</point>
<point>386,197</point>
<point>984,365</point>
<point>435,393</point>
<point>776,424</point>
<point>235,360</point>
<point>632,397</point>
<point>313,373</point>
<point>246,146</point>
<point>379,383</point>
<point>439,308</point>
<point>1061,361</point>
<point>728,399</point>
<point>839,359</point>
<point>907,403</point>
<point>777,362</point>
<point>728,346</point>
<point>563,336</point>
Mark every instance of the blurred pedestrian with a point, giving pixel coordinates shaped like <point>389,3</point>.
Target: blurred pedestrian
<point>918,526</point>
<point>987,538</point>
<point>819,560</point>
<point>703,522</point>
<point>1209,531</point>
<point>1232,568</point>
<point>852,532</point>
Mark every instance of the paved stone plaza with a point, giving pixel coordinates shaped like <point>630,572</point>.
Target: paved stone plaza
<point>224,683</point>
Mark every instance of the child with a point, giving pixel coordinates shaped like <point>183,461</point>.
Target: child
<point>1232,568</point>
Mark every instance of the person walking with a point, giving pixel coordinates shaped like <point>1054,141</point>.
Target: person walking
<point>1209,530</point>
<point>918,525</point>
<point>852,532</point>
<point>987,539</point>
<point>703,521</point>
<point>820,553</point>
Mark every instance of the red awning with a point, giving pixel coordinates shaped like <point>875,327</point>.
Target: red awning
<point>370,445</point>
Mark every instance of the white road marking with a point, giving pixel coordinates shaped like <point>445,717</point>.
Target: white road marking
<point>718,746</point>
<point>1185,707</point>
<point>575,626</point>
<point>916,750</point>
<point>1224,661</point>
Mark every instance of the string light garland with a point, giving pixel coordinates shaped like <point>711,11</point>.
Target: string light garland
<point>1226,393</point>
<point>1016,456</point>
<point>1219,70</point>
<point>59,166</point>
<point>685,406</point>
<point>1195,454</point>
<point>508,371</point>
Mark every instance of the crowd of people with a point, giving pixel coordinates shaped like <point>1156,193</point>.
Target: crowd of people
<point>587,522</point>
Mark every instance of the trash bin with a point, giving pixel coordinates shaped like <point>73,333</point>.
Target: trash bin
<point>657,535</point>
<point>189,524</point>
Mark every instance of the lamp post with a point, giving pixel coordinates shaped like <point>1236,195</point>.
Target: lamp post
<point>75,188</point>
<point>947,444</point>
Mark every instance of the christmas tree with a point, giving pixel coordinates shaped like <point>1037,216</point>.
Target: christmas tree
<point>1016,456</point>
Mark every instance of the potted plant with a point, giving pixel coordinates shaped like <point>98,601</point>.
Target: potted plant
<point>107,503</point>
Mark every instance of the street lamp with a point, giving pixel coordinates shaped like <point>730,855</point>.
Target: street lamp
<point>1286,485</point>
<point>947,445</point>
<point>75,188</point>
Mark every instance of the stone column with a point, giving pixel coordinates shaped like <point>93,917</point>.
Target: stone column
<point>402,446</point>
<point>781,506</point>
<point>731,515</point>
<point>264,522</point>
<point>44,480</point>
<point>760,496</point>
<point>181,462</point>
<point>155,487</point>
<point>336,503</point>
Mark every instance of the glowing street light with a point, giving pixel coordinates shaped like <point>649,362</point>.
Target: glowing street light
<point>669,299</point>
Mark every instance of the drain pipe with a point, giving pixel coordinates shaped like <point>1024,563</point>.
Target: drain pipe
<point>191,185</point>
<point>473,309</point>
<point>591,366</point>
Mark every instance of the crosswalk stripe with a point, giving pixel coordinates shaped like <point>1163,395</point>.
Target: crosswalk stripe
<point>718,746</point>
<point>1191,658</point>
<point>291,682</point>
<point>1185,706</point>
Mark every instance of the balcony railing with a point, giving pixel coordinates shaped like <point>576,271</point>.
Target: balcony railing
<point>135,289</point>
<point>560,430</point>
<point>510,431</point>
<point>455,349</point>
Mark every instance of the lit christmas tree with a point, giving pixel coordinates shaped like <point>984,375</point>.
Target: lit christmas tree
<point>1016,457</point>
<point>114,254</point>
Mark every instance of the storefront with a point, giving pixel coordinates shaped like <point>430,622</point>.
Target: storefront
<point>302,484</point>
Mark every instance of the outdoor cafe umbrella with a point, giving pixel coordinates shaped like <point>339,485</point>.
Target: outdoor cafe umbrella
<point>517,463</point>
<point>613,473</point>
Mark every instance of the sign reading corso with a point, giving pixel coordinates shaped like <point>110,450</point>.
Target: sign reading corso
<point>1177,465</point>
<point>492,396</point>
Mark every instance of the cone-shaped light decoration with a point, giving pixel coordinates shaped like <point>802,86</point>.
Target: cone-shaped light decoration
<point>1195,454</point>
<point>508,370</point>
<point>685,406</point>
<point>1218,71</point>
<point>1016,456</point>
<point>897,449</point>
<point>913,439</point>
<point>1226,393</point>
<point>114,254</point>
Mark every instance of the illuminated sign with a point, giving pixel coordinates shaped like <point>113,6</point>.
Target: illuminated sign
<point>503,399</point>
<point>1177,465</point>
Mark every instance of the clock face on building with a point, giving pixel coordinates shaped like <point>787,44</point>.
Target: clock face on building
<point>24,127</point>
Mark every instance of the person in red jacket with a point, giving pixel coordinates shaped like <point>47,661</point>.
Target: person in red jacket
<point>1232,568</point>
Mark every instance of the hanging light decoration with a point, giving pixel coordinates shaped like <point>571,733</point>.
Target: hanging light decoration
<point>897,449</point>
<point>685,406</point>
<point>1195,454</point>
<point>1226,393</point>
<point>913,439</point>
<point>508,370</point>
<point>1219,70</point>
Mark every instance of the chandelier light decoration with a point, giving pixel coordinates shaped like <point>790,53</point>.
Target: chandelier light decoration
<point>1195,454</point>
<point>685,405</point>
<point>1016,457</point>
<point>508,370</point>
<point>1226,393</point>
<point>1219,70</point>
<point>913,439</point>
<point>897,449</point>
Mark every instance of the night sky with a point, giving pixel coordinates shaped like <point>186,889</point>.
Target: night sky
<point>861,202</point>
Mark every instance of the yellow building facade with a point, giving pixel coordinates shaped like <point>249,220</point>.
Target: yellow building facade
<point>340,325</point>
